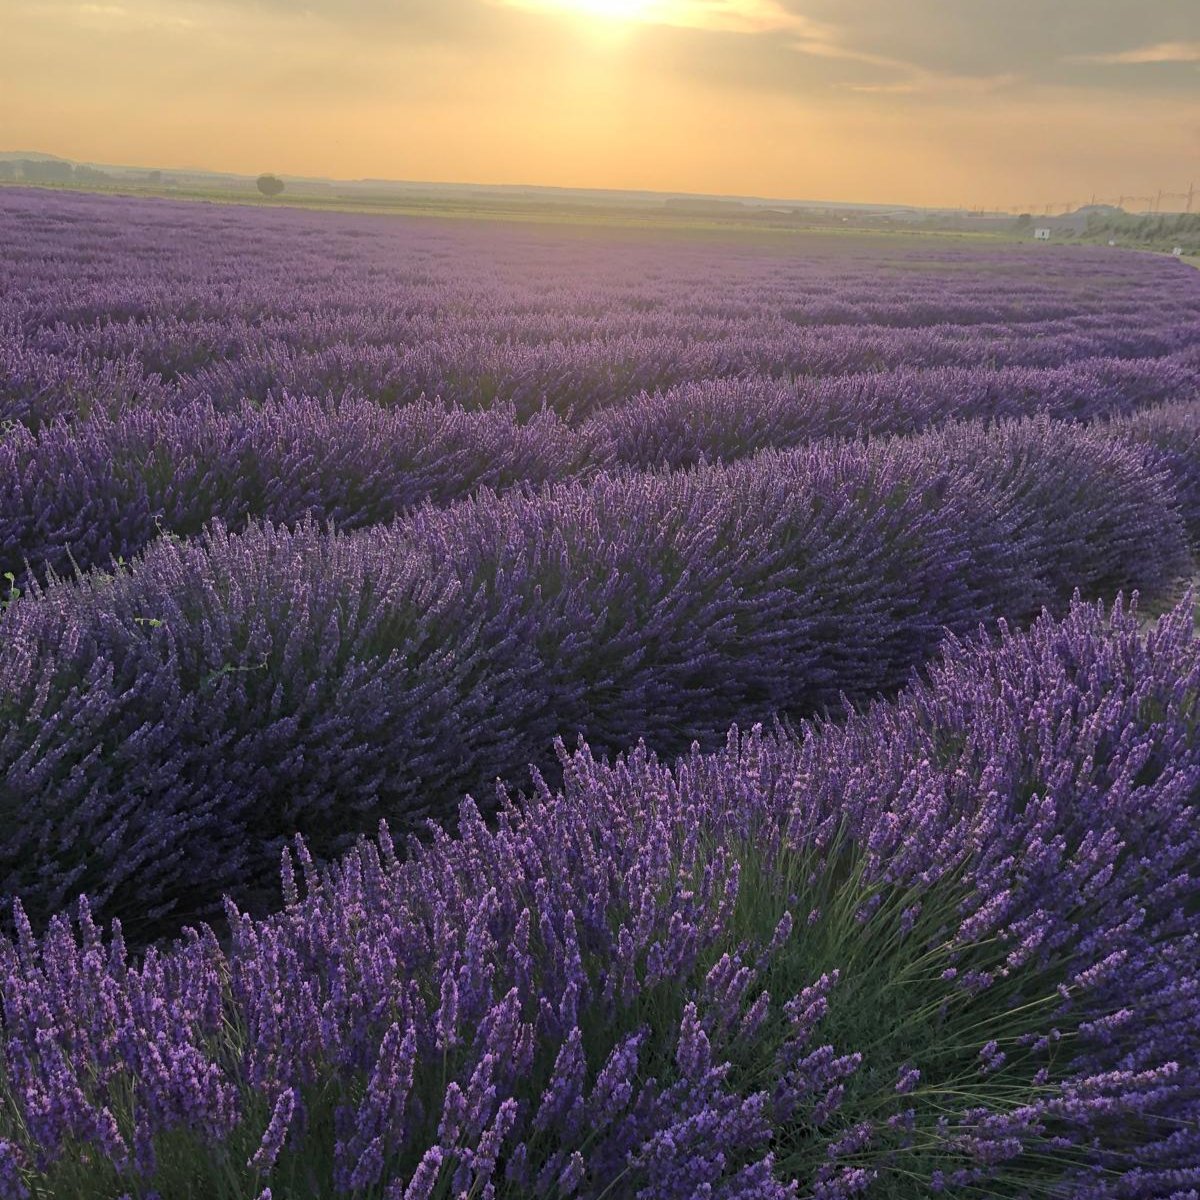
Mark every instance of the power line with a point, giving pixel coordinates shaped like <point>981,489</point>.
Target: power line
<point>1152,204</point>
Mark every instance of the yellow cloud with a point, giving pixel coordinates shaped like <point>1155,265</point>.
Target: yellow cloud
<point>925,83</point>
<point>569,98</point>
<point>1160,52</point>
<point>805,36</point>
<point>117,16</point>
<point>725,16</point>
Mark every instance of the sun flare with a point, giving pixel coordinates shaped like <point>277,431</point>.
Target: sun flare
<point>611,10</point>
<point>731,16</point>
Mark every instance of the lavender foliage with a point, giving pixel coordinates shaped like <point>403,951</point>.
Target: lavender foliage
<point>171,303</point>
<point>165,364</point>
<point>1170,434</point>
<point>408,502</point>
<point>946,947</point>
<point>162,729</point>
<point>82,495</point>
<point>724,419</point>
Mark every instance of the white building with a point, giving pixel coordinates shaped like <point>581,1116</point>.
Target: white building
<point>1042,234</point>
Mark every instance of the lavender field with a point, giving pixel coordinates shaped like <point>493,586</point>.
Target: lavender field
<point>519,710</point>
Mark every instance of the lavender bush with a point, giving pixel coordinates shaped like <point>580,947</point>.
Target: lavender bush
<point>1171,434</point>
<point>37,386</point>
<point>176,303</point>
<point>946,948</point>
<point>164,364</point>
<point>726,419</point>
<point>162,729</point>
<point>81,495</point>
<point>408,501</point>
<point>1036,472</point>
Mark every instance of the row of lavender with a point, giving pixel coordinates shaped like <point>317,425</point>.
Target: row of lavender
<point>164,728</point>
<point>110,304</point>
<point>76,496</point>
<point>574,378</point>
<point>946,948</point>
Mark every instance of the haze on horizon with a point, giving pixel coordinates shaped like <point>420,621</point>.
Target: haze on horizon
<point>907,101</point>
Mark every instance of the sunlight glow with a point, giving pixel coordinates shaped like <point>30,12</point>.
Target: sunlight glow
<point>613,10</point>
<point>730,16</point>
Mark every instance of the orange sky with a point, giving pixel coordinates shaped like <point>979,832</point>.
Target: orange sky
<point>980,102</point>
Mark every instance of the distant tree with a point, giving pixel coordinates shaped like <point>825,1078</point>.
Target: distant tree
<point>8,170</point>
<point>1024,221</point>
<point>154,177</point>
<point>270,185</point>
<point>38,170</point>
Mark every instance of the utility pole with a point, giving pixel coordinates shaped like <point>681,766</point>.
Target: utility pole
<point>1191,195</point>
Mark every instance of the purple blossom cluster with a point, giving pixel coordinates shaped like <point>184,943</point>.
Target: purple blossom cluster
<point>163,365</point>
<point>111,303</point>
<point>81,495</point>
<point>411,507</point>
<point>711,419</point>
<point>164,729</point>
<point>946,947</point>
<point>1171,435</point>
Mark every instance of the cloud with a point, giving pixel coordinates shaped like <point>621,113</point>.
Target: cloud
<point>937,101</point>
<point>907,78</point>
<point>110,16</point>
<point>818,39</point>
<point>1064,44</point>
<point>911,79</point>
<point>1160,52</point>
<point>923,49</point>
<point>722,16</point>
<point>926,83</point>
<point>773,23</point>
<point>825,41</point>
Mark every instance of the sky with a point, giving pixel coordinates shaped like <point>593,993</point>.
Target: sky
<point>993,103</point>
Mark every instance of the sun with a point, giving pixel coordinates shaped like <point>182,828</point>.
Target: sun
<point>730,16</point>
<point>685,13</point>
<point>645,11</point>
<point>615,10</point>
